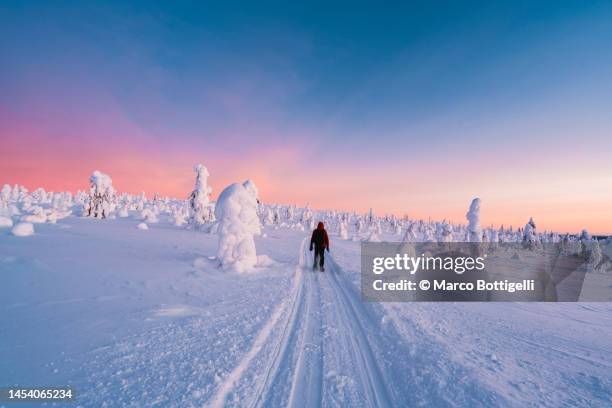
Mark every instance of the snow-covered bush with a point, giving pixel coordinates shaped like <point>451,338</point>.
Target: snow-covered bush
<point>101,197</point>
<point>124,212</point>
<point>37,216</point>
<point>23,229</point>
<point>180,216</point>
<point>237,224</point>
<point>148,215</point>
<point>199,200</point>
<point>5,222</point>
<point>372,237</point>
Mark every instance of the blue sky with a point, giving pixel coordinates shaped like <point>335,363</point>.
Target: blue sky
<point>405,92</point>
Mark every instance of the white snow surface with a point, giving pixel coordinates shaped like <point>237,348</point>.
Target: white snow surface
<point>151,320</point>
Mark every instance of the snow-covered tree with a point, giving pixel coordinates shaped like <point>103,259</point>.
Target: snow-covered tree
<point>100,201</point>
<point>237,224</point>
<point>446,232</point>
<point>199,200</point>
<point>149,216</point>
<point>530,238</point>
<point>141,201</point>
<point>5,198</point>
<point>343,231</point>
<point>410,235</point>
<point>493,236</point>
<point>180,216</point>
<point>370,216</point>
<point>290,213</point>
<point>372,236</point>
<point>306,215</point>
<point>585,235</point>
<point>398,229</point>
<point>268,216</point>
<point>124,211</point>
<point>473,217</point>
<point>595,254</point>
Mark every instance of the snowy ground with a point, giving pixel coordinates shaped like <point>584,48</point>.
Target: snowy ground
<point>144,318</point>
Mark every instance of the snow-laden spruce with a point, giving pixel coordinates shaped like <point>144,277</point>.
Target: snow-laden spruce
<point>180,214</point>
<point>100,201</point>
<point>343,231</point>
<point>530,238</point>
<point>445,233</point>
<point>199,200</point>
<point>237,224</point>
<point>473,217</point>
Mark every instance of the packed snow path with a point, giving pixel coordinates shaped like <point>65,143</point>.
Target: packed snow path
<point>330,351</point>
<point>146,318</point>
<point>322,329</point>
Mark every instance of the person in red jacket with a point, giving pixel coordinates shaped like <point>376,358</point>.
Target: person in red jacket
<point>320,241</point>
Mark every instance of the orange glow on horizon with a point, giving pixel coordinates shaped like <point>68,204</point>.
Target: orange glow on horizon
<point>563,200</point>
<point>281,182</point>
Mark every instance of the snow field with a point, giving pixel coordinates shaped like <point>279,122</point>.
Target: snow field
<point>167,317</point>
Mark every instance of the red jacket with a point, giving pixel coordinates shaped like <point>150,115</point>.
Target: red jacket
<point>319,238</point>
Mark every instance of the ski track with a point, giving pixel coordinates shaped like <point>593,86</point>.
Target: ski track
<point>306,385</point>
<point>228,384</point>
<point>218,400</point>
<point>352,312</point>
<point>294,374</point>
<point>298,353</point>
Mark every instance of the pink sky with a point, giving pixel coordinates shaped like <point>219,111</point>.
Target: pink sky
<point>565,186</point>
<point>558,200</point>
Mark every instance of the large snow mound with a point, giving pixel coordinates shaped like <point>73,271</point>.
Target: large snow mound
<point>238,222</point>
<point>23,229</point>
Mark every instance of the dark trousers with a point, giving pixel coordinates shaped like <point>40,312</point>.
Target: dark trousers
<point>320,253</point>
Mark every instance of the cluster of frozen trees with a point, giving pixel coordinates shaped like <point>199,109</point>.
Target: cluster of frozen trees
<point>237,216</point>
<point>371,228</point>
<point>21,209</point>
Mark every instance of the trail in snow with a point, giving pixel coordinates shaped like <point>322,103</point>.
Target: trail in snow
<point>307,379</point>
<point>226,387</point>
<point>299,375</point>
<point>324,317</point>
<point>332,350</point>
<point>351,321</point>
<point>294,374</point>
<point>228,383</point>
